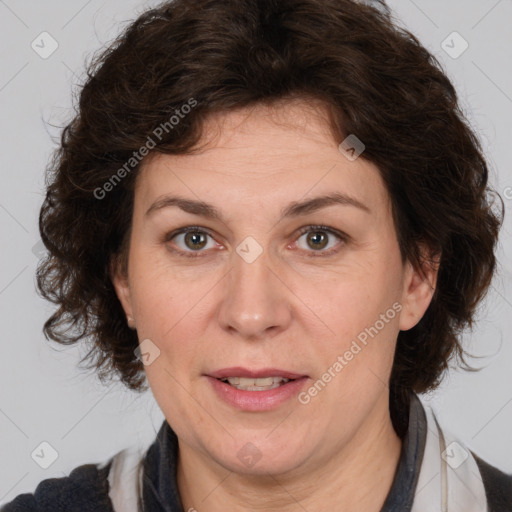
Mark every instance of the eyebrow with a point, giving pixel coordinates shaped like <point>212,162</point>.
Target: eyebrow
<point>294,209</point>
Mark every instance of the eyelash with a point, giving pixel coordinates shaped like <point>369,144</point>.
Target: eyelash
<point>314,254</point>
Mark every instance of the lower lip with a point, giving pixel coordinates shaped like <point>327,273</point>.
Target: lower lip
<point>257,400</point>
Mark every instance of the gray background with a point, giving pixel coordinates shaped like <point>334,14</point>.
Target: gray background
<point>44,397</point>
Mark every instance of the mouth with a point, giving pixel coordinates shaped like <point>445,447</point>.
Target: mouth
<point>259,384</point>
<point>264,378</point>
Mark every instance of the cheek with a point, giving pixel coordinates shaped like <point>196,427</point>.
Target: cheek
<point>160,297</point>
<point>350,300</point>
<point>357,359</point>
<point>173,313</point>
<point>361,309</point>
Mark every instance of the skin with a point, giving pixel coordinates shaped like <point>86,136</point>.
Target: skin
<point>287,309</point>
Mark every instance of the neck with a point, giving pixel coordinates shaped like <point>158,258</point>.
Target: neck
<point>356,477</point>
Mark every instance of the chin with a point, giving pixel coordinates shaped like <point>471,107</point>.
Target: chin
<point>261,456</point>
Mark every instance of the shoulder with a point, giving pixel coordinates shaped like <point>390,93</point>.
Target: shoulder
<point>498,486</point>
<point>86,489</point>
<point>464,477</point>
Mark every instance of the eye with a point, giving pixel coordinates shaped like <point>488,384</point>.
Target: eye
<point>317,238</point>
<point>190,240</point>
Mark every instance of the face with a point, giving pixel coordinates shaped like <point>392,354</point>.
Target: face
<point>278,283</point>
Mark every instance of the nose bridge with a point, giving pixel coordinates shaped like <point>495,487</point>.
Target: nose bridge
<point>255,302</point>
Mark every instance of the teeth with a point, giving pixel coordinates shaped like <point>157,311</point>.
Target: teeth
<point>260,384</point>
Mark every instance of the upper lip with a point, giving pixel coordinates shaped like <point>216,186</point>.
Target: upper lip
<point>238,371</point>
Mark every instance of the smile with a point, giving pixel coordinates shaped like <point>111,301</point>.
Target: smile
<point>256,390</point>
<point>259,384</point>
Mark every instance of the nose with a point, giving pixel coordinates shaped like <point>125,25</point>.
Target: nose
<point>256,303</point>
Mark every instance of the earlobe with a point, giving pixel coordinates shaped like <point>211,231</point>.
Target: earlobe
<point>419,288</point>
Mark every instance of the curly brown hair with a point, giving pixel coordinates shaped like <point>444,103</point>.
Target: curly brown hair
<point>376,81</point>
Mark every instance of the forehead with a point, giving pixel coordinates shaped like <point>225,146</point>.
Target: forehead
<point>269,154</point>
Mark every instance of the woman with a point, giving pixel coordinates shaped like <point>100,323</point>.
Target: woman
<point>276,212</point>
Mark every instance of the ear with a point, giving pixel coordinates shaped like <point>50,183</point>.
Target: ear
<point>119,277</point>
<point>418,290</point>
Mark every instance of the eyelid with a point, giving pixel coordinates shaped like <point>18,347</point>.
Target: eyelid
<point>309,228</point>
